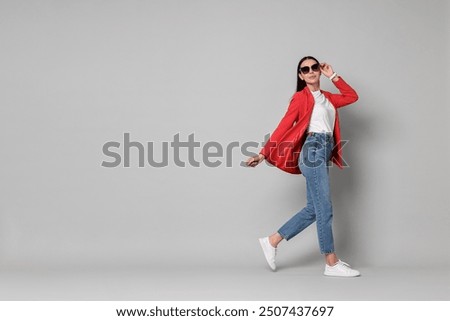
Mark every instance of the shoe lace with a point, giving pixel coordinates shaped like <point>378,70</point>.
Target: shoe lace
<point>342,262</point>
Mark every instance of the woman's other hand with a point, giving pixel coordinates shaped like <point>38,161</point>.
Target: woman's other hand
<point>255,160</point>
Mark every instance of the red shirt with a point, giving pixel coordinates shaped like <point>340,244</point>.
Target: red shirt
<point>284,145</point>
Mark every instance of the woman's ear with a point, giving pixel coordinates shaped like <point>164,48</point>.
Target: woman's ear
<point>300,76</point>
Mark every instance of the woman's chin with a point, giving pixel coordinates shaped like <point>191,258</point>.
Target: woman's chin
<point>312,81</point>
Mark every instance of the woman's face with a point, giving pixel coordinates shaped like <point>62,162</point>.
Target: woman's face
<point>310,71</point>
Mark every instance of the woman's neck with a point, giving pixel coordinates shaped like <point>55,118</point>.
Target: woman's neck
<point>314,87</point>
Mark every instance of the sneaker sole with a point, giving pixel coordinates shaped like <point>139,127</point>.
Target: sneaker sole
<point>342,276</point>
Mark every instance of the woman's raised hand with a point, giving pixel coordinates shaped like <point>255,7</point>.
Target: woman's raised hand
<point>326,69</point>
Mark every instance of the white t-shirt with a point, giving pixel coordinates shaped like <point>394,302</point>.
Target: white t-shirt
<point>323,115</point>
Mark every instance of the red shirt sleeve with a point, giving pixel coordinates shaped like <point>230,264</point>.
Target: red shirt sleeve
<point>288,120</point>
<point>347,94</point>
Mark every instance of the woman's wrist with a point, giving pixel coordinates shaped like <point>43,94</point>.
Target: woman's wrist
<point>333,76</point>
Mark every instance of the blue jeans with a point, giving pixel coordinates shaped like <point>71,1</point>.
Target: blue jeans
<point>314,162</point>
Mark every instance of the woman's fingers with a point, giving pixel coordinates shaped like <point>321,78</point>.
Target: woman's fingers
<point>252,161</point>
<point>326,69</point>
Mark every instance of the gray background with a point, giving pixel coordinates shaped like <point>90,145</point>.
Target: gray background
<point>77,74</point>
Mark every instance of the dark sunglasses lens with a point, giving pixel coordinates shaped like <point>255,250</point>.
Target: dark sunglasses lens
<point>304,70</point>
<point>315,67</point>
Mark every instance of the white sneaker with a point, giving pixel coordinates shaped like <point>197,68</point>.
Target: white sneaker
<point>269,252</point>
<point>340,269</point>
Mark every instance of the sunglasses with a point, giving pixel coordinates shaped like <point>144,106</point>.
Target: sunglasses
<point>305,70</point>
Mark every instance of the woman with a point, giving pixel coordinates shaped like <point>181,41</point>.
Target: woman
<point>306,141</point>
